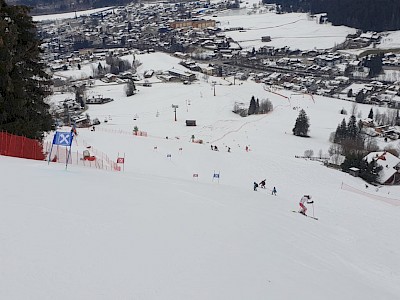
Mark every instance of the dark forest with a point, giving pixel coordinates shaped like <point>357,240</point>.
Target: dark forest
<point>367,15</point>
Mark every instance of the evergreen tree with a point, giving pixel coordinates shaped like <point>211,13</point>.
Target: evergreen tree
<point>80,95</point>
<point>257,106</point>
<point>130,88</point>
<point>367,15</point>
<point>360,97</point>
<point>24,84</point>
<point>352,129</point>
<point>374,63</point>
<point>350,93</point>
<point>371,114</point>
<point>369,171</point>
<point>252,106</point>
<point>302,124</point>
<point>341,132</point>
<point>353,159</point>
<point>337,138</point>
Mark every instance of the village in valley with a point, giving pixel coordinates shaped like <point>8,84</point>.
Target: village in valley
<point>108,45</point>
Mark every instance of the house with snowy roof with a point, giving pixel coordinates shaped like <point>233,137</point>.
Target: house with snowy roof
<point>390,173</point>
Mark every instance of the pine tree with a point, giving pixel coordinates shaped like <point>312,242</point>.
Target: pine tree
<point>374,62</point>
<point>302,124</point>
<point>341,132</point>
<point>349,137</point>
<point>371,114</point>
<point>353,159</point>
<point>252,106</point>
<point>24,84</point>
<point>257,106</point>
<point>100,68</point>
<point>369,171</point>
<point>350,93</point>
<point>352,129</point>
<point>360,97</point>
<point>130,88</point>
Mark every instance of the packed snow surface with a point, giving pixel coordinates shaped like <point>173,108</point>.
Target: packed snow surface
<point>153,231</point>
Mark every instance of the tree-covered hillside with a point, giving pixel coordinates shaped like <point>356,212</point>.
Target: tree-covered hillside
<point>375,15</point>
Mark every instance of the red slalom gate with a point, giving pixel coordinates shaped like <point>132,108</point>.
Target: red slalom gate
<point>20,146</point>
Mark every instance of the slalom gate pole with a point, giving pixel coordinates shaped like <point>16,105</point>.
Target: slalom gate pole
<point>51,149</point>
<point>313,210</point>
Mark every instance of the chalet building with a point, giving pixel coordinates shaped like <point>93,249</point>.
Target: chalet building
<point>208,70</point>
<point>390,173</point>
<point>185,76</point>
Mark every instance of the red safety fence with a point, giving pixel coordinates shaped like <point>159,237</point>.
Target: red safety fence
<point>392,201</point>
<point>118,131</point>
<point>90,157</point>
<point>20,146</point>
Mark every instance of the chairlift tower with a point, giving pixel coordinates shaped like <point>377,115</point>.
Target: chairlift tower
<point>175,107</point>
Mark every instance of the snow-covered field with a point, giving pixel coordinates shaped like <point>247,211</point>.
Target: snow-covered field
<point>69,15</point>
<point>156,232</point>
<point>295,30</point>
<point>391,40</point>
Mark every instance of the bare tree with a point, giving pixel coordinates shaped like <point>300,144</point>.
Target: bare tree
<point>370,144</point>
<point>379,118</point>
<point>392,150</point>
<point>335,149</point>
<point>335,158</point>
<point>354,109</point>
<point>265,106</point>
<point>391,116</point>
<point>308,153</point>
<point>95,71</point>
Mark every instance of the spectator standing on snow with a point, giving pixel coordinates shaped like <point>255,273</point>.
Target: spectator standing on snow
<point>273,191</point>
<point>303,200</point>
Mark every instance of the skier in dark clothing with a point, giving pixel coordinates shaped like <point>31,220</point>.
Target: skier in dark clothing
<point>262,184</point>
<point>255,186</point>
<point>273,191</point>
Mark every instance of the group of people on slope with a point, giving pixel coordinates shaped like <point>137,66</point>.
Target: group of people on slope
<point>262,185</point>
<point>215,148</point>
<point>306,199</point>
